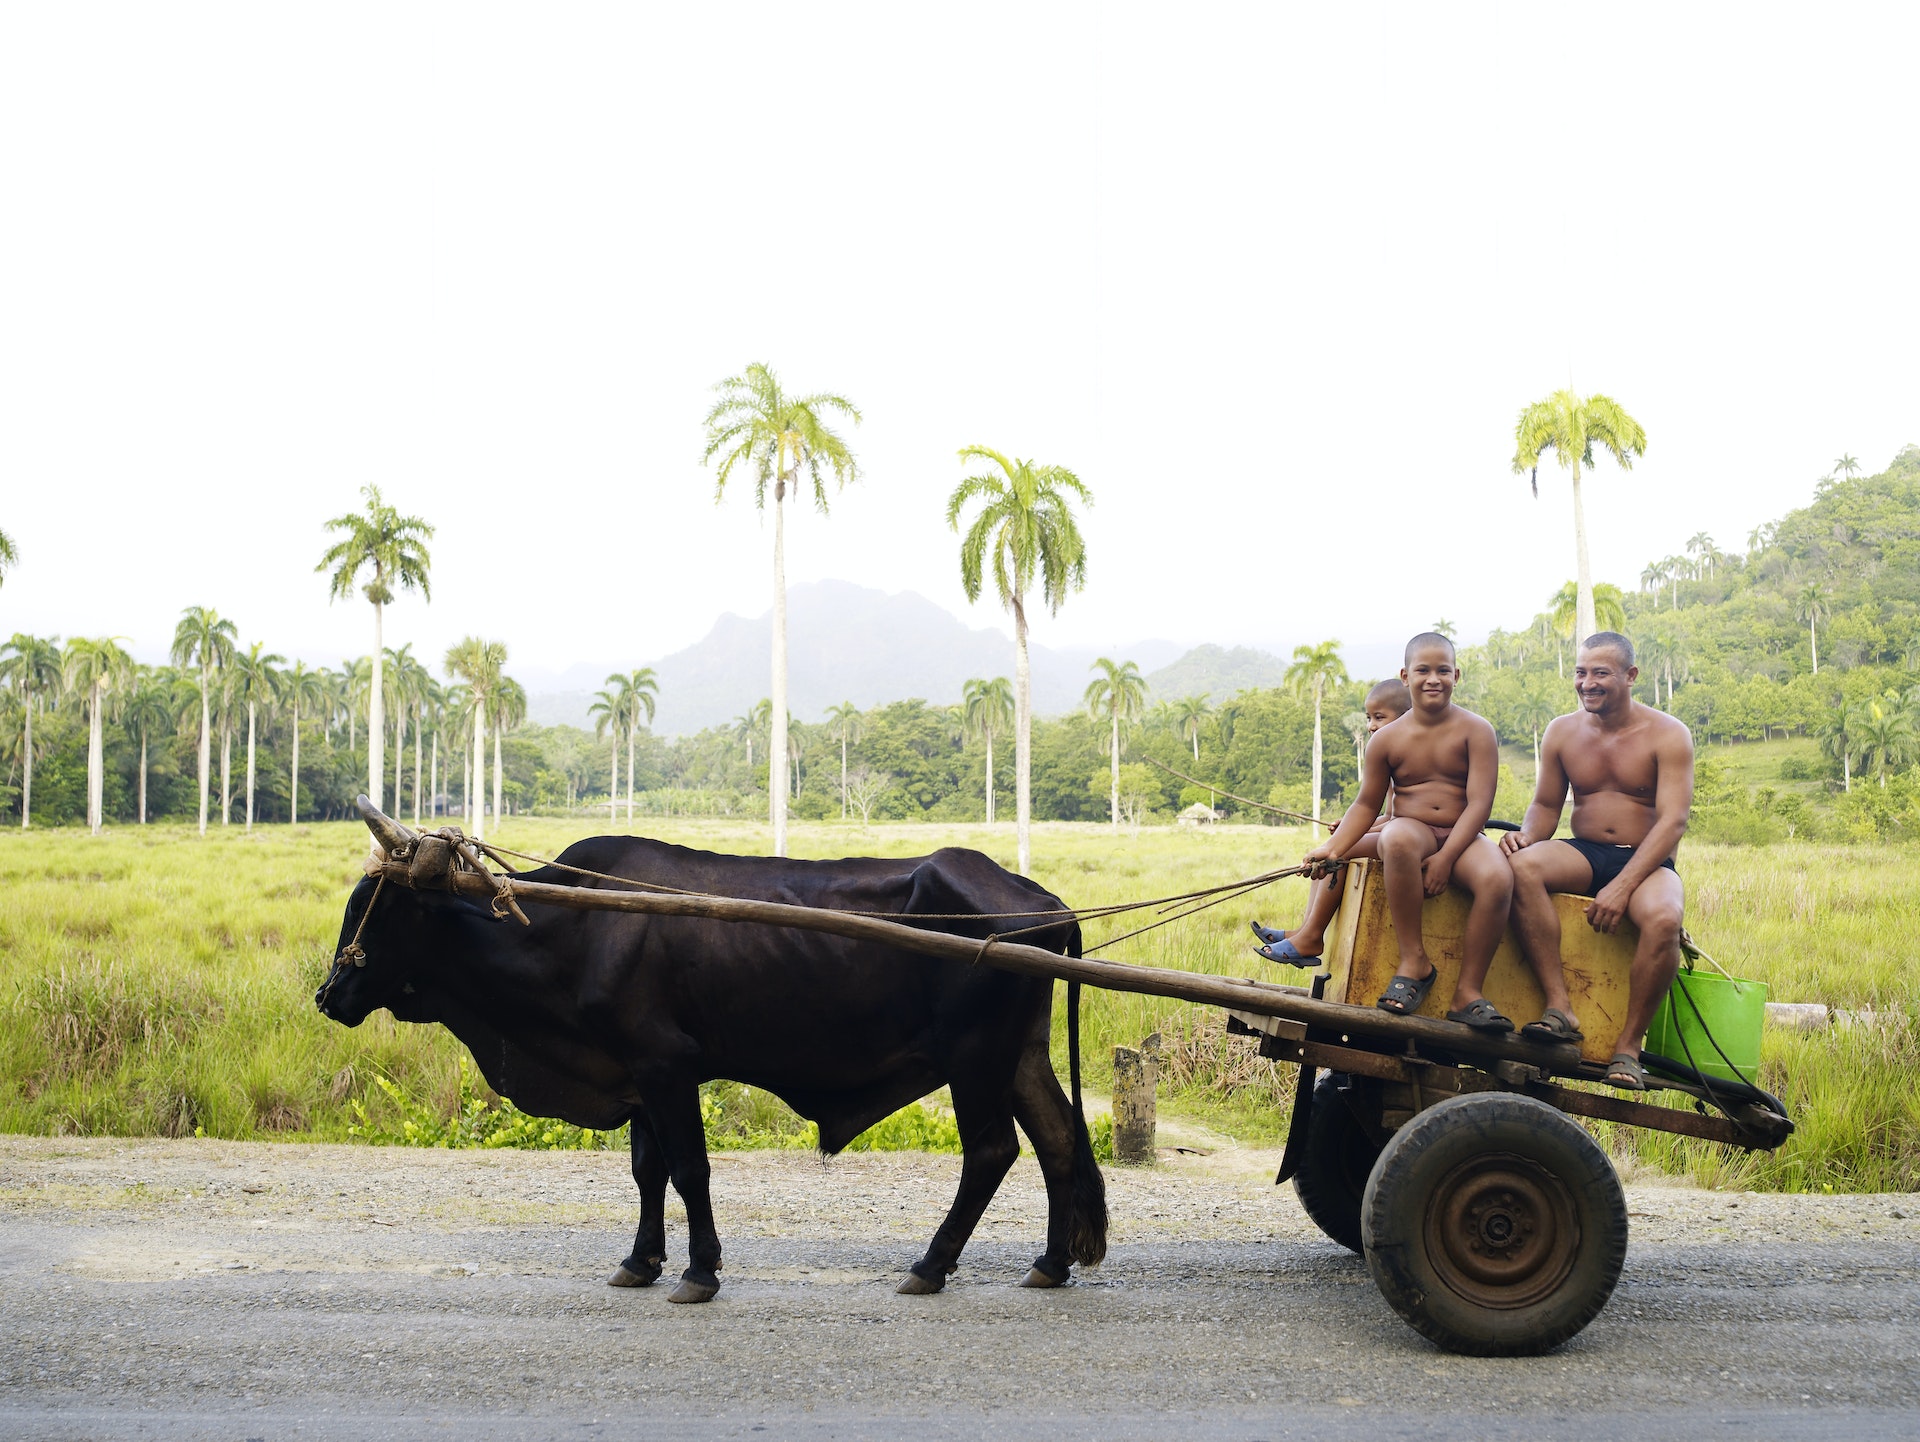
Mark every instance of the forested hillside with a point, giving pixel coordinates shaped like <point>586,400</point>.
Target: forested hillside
<point>1728,640</point>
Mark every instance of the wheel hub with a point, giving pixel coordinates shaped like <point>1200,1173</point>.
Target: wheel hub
<point>1502,1231</point>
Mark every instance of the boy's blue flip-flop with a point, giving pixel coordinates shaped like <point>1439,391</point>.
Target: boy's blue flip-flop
<point>1267,934</point>
<point>1285,951</point>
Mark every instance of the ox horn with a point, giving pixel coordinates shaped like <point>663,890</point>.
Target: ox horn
<point>395,839</point>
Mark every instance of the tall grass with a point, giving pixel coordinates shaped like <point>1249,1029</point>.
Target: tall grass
<point>156,983</point>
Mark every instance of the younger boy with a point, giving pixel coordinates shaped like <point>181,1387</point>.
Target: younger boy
<point>1385,703</point>
<point>1442,764</point>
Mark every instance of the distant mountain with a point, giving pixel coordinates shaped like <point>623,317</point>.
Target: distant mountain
<point>1217,672</point>
<point>847,643</point>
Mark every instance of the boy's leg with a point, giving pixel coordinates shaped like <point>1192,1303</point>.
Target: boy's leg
<point>1324,901</point>
<point>1483,871</point>
<point>1403,845</point>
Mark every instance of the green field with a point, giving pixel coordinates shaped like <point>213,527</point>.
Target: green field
<point>156,983</point>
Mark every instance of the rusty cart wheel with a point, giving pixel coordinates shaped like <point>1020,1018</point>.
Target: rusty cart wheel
<point>1336,1160</point>
<point>1494,1225</point>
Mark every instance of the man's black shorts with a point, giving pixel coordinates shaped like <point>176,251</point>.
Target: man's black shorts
<point>1605,860</point>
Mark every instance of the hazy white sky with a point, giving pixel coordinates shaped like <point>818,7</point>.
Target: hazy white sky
<point>1275,280</point>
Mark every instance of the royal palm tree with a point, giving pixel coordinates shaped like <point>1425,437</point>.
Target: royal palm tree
<point>407,681</point>
<point>1314,669</point>
<point>509,712</point>
<point>9,556</point>
<point>30,668</point>
<point>847,726</point>
<point>95,670</point>
<point>1570,426</point>
<point>1190,715</point>
<point>1838,740</point>
<point>1846,466</point>
<point>1609,608</point>
<point>633,699</point>
<point>1882,733</point>
<point>393,547</point>
<point>204,640</point>
<point>986,711</point>
<point>1116,695</point>
<point>478,663</point>
<point>1027,532</point>
<point>1700,544</point>
<point>605,712</point>
<point>257,686</point>
<point>305,690</point>
<point>1810,605</point>
<point>755,423</point>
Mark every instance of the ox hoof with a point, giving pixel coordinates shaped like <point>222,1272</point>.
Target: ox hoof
<point>1038,1278</point>
<point>692,1291</point>
<point>918,1286</point>
<point>624,1276</point>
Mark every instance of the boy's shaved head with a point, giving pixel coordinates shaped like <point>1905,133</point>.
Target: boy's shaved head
<point>1392,694</point>
<point>1424,639</point>
<point>1610,641</point>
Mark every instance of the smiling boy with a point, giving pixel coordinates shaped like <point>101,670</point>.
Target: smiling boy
<point>1442,763</point>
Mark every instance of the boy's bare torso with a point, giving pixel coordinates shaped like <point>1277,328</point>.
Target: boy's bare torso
<point>1614,773</point>
<point>1428,765</point>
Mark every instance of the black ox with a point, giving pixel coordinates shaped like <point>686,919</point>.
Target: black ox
<point>602,1017</point>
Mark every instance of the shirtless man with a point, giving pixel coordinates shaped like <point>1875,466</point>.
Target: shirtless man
<point>1442,763</point>
<point>1631,770</point>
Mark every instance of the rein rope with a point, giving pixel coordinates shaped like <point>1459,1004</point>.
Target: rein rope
<point>1172,908</point>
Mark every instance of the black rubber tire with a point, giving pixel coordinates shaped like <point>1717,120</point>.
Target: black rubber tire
<point>1494,1225</point>
<point>1335,1163</point>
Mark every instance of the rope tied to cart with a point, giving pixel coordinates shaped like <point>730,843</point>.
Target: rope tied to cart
<point>1173,908</point>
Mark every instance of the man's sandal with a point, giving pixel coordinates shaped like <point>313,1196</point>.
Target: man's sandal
<point>1286,952</point>
<point>1554,1026</point>
<point>1481,1015</point>
<point>1626,1073</point>
<point>1267,934</point>
<point>1404,995</point>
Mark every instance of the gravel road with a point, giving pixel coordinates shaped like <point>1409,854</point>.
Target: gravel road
<point>209,1289</point>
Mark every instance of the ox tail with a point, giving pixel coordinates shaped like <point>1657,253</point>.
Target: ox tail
<point>1087,1212</point>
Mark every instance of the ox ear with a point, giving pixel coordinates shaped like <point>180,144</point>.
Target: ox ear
<point>395,839</point>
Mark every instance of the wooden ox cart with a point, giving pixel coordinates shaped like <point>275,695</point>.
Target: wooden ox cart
<point>1490,1220</point>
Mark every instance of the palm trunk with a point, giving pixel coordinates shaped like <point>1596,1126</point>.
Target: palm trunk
<point>376,718</point>
<point>399,755</point>
<point>293,792</point>
<point>777,742</point>
<point>843,779</point>
<point>629,778</point>
<point>476,803</point>
<point>143,776</point>
<point>95,762</point>
<point>989,776</point>
<point>250,732</point>
<point>206,740</point>
<point>26,772</point>
<point>613,780</point>
<point>1022,739</point>
<point>419,725</point>
<point>1813,640</point>
<point>496,778</point>
<point>1113,768</point>
<point>433,776</point>
<point>1316,753</point>
<point>1583,574</point>
<point>226,768</point>
<point>1536,755</point>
